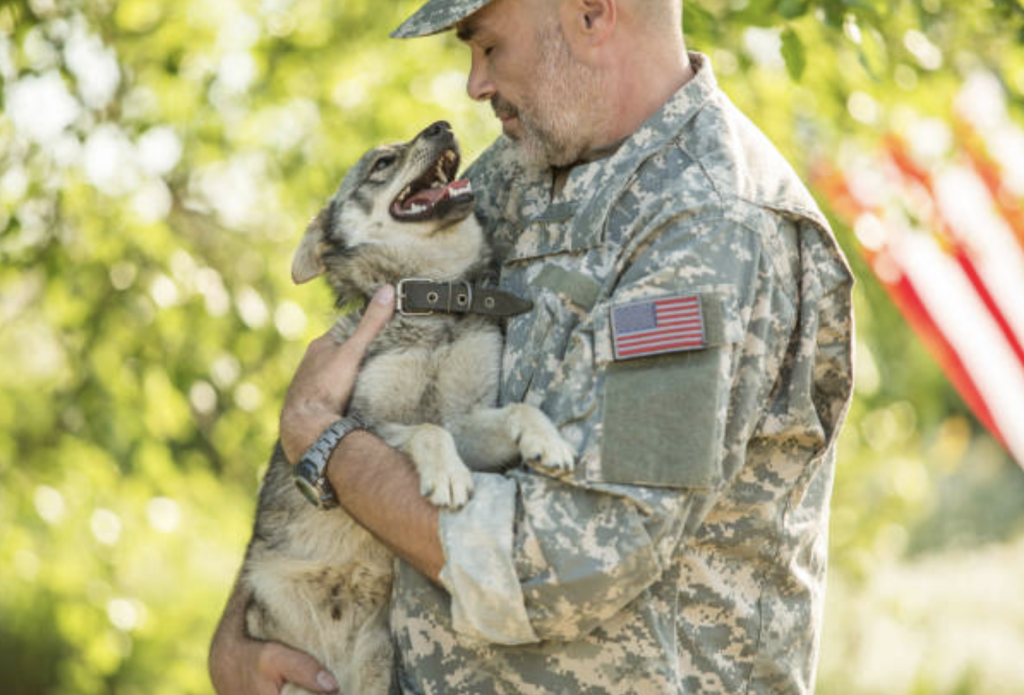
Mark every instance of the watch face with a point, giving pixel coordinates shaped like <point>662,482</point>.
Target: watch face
<point>305,476</point>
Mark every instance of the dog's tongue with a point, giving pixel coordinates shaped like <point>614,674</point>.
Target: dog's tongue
<point>432,196</point>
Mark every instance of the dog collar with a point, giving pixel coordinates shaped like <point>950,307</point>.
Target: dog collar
<point>420,297</point>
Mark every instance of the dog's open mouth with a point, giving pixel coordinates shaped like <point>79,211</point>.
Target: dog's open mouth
<point>434,193</point>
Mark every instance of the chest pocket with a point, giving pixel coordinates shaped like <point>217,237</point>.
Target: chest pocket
<point>554,264</point>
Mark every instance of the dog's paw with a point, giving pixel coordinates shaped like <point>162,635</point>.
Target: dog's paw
<point>446,483</point>
<point>548,451</point>
<point>444,478</point>
<point>540,444</point>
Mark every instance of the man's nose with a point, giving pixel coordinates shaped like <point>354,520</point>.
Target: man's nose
<point>479,85</point>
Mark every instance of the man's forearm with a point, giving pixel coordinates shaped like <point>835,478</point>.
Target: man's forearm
<point>379,488</point>
<point>375,484</point>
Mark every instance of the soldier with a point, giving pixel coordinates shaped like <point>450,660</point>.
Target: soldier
<point>691,338</point>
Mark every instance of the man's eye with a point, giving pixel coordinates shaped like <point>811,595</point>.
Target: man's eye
<point>384,162</point>
<point>488,51</point>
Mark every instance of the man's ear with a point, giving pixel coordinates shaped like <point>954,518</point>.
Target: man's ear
<point>592,20</point>
<point>308,262</point>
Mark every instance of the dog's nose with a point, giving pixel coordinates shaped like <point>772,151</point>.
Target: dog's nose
<point>437,129</point>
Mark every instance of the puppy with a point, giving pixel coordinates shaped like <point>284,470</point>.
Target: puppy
<point>428,387</point>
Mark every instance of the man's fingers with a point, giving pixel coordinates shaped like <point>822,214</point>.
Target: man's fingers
<point>376,315</point>
<point>285,664</point>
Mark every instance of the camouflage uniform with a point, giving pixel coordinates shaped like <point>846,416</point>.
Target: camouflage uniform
<point>686,553</point>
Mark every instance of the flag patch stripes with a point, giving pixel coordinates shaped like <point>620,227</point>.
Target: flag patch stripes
<point>657,326</point>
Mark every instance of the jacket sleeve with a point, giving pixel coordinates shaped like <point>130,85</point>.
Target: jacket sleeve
<point>531,558</point>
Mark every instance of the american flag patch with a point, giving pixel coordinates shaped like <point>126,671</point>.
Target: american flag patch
<point>655,326</point>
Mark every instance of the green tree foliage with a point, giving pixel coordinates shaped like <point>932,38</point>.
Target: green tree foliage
<point>158,162</point>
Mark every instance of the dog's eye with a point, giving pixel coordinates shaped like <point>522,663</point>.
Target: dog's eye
<point>384,162</point>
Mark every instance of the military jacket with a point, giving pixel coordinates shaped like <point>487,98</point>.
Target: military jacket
<point>686,552</point>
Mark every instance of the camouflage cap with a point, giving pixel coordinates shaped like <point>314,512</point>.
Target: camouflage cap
<point>437,16</point>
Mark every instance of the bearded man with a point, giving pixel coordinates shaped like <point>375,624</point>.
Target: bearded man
<point>691,337</point>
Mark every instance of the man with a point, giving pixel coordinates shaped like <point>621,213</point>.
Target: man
<point>691,336</point>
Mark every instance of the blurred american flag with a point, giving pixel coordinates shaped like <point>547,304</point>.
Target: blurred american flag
<point>938,217</point>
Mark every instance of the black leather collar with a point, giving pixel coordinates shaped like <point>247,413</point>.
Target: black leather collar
<point>419,297</point>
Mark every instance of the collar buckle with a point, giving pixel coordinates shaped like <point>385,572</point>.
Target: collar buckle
<point>400,298</point>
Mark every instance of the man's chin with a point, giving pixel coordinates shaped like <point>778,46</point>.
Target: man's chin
<point>512,129</point>
<point>533,149</point>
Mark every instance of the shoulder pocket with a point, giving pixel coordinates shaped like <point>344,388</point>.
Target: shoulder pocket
<point>664,415</point>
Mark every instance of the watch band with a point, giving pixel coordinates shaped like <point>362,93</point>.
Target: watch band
<point>418,296</point>
<point>309,471</point>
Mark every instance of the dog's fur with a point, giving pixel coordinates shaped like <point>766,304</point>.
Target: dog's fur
<point>319,581</point>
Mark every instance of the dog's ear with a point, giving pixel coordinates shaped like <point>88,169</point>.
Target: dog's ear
<point>308,262</point>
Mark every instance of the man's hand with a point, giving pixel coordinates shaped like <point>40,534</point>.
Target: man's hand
<point>240,665</point>
<point>251,667</point>
<point>323,383</point>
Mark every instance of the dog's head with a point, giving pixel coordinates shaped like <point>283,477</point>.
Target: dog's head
<point>403,196</point>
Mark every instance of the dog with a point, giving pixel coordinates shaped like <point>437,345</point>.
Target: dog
<point>428,386</point>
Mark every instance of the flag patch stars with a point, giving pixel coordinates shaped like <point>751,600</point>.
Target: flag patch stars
<point>657,326</point>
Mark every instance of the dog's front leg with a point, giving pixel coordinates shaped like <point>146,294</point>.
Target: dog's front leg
<point>491,438</point>
<point>444,478</point>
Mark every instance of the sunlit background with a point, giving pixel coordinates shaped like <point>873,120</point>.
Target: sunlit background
<point>159,161</point>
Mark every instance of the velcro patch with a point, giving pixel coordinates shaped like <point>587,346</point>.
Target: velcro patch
<point>657,326</point>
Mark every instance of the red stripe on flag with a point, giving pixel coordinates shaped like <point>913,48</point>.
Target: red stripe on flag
<point>908,301</point>
<point>990,303</point>
<point>660,347</point>
<point>694,339</point>
<point>897,149</point>
<point>680,328</point>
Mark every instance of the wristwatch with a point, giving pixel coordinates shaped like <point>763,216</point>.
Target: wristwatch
<point>309,471</point>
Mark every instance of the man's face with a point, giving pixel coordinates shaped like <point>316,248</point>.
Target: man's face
<point>552,105</point>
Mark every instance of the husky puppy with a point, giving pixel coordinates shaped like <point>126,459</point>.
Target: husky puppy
<point>319,581</point>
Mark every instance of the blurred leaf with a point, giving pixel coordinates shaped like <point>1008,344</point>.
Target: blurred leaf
<point>793,53</point>
<point>791,9</point>
<point>873,54</point>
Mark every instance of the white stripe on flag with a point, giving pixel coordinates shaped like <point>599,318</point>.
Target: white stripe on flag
<point>973,334</point>
<point>966,203</point>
